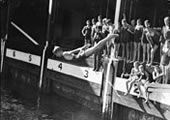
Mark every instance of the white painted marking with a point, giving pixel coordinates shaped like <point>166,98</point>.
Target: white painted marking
<point>84,73</point>
<point>161,97</point>
<point>23,56</point>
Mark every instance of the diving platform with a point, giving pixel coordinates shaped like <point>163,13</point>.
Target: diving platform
<point>82,84</point>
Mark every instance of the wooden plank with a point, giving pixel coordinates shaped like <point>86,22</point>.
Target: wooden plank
<point>163,86</point>
<point>29,68</point>
<point>84,73</point>
<point>161,97</point>
<point>75,83</point>
<point>23,56</point>
<point>140,105</point>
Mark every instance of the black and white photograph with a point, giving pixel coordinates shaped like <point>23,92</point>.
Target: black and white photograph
<point>85,60</point>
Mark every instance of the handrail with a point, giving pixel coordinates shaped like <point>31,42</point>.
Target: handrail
<point>24,33</point>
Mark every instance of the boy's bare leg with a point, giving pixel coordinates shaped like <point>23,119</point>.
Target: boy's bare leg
<point>138,54</point>
<point>135,51</point>
<point>100,44</point>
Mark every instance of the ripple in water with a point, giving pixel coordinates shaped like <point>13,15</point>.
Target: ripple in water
<point>14,107</point>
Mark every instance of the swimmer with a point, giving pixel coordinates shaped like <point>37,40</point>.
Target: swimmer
<point>82,52</point>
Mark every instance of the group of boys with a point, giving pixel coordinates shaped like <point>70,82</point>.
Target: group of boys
<point>132,37</point>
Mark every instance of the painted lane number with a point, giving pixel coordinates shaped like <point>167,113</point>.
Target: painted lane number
<point>86,74</point>
<point>60,66</point>
<point>13,54</point>
<point>30,58</point>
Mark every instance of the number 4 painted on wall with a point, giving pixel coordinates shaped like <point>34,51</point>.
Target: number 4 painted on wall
<point>60,66</point>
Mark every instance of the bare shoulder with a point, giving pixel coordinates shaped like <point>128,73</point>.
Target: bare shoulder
<point>68,55</point>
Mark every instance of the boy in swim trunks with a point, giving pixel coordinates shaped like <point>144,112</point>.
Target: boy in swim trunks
<point>84,51</point>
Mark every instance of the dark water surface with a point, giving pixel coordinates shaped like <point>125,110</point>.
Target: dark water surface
<point>46,107</point>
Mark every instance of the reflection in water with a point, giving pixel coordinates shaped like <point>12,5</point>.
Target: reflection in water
<point>15,107</point>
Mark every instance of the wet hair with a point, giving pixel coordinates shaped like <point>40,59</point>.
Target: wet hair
<point>57,49</point>
<point>136,62</point>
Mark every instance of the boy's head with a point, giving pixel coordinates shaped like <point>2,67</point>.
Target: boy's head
<point>136,64</point>
<point>57,51</point>
<point>104,21</point>
<point>167,21</point>
<point>138,22</point>
<point>99,18</point>
<point>88,22</point>
<point>124,22</point>
<point>132,22</point>
<point>157,68</point>
<point>147,24</point>
<point>141,68</point>
<point>93,21</point>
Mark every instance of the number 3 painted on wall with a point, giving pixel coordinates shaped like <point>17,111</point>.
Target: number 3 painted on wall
<point>86,74</point>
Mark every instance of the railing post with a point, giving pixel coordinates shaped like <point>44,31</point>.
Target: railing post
<point>5,36</point>
<point>117,12</point>
<point>113,92</point>
<point>108,91</point>
<point>46,45</point>
<point>42,65</point>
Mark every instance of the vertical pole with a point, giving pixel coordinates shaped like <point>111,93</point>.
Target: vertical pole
<point>3,41</point>
<point>107,9</point>
<point>114,92</point>
<point>117,12</point>
<point>106,92</point>
<point>42,65</point>
<point>46,45</point>
<point>4,38</point>
<point>44,52</point>
<point>131,8</point>
<point>155,16</point>
<point>109,92</point>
